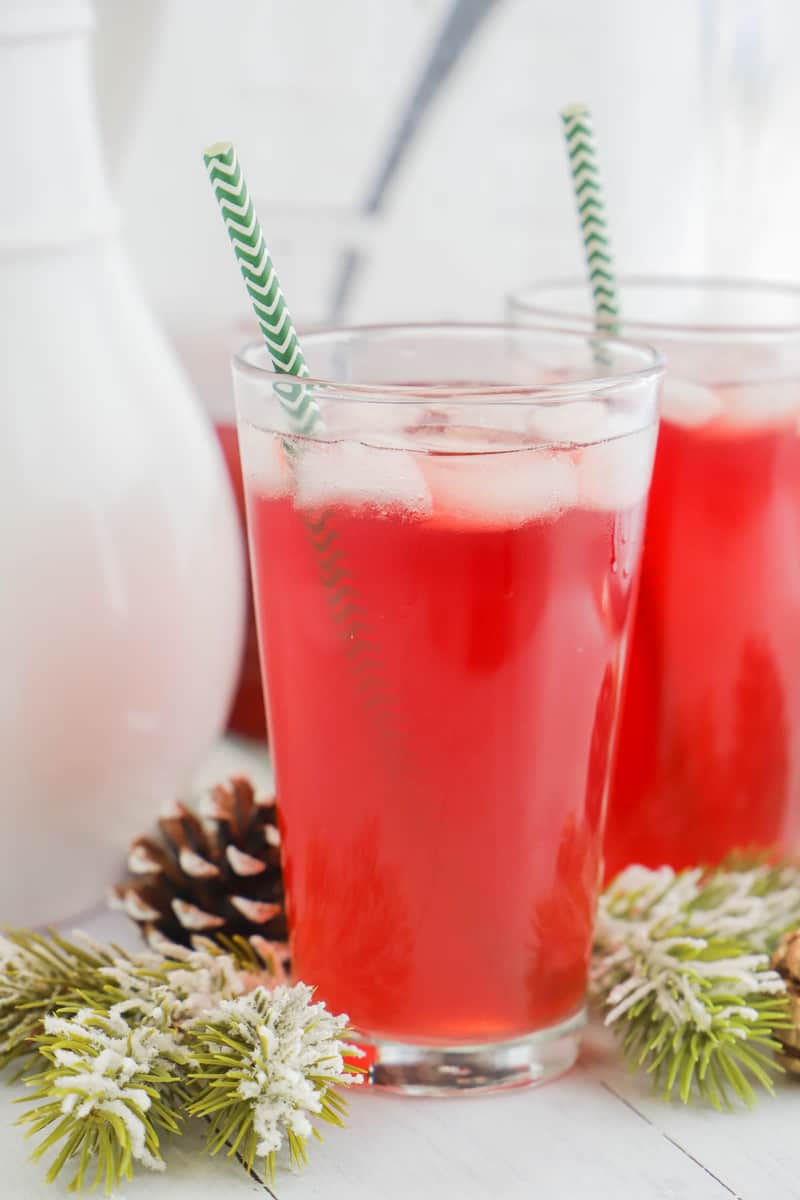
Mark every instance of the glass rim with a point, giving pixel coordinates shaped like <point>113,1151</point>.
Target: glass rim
<point>522,299</point>
<point>517,393</point>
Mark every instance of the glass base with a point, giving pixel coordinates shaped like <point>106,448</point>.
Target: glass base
<point>442,1070</point>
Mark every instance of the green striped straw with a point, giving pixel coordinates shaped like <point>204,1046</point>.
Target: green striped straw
<point>280,336</point>
<point>582,152</point>
<point>261,281</point>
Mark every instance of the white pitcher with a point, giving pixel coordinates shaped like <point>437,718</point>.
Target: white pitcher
<point>121,576</point>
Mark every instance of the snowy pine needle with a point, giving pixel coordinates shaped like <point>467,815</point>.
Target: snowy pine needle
<point>269,1063</point>
<point>120,1048</point>
<point>39,975</point>
<point>108,1090</point>
<point>681,965</point>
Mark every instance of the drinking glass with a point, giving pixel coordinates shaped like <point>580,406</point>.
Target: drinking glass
<point>709,748</point>
<point>443,567</point>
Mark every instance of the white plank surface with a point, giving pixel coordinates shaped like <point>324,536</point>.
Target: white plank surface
<point>596,1134</point>
<point>571,1139</point>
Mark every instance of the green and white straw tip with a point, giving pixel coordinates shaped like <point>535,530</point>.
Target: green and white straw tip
<point>258,272</point>
<point>582,153</point>
<point>254,263</point>
<point>261,281</point>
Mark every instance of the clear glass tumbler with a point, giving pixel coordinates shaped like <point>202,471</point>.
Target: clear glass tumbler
<point>443,572</point>
<point>709,748</point>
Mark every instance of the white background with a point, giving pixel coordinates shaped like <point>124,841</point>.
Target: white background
<point>696,103</point>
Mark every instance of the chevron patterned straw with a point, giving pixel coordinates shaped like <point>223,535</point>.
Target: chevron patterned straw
<point>261,281</point>
<point>276,325</point>
<point>582,152</point>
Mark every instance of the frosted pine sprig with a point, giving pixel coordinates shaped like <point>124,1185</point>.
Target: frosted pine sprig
<point>122,1048</point>
<point>269,1063</point>
<point>39,975</point>
<point>107,1091</point>
<point>188,986</point>
<point>681,965</point>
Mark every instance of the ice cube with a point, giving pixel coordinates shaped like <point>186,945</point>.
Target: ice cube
<point>264,462</point>
<point>358,475</point>
<point>753,404</point>
<point>579,422</point>
<point>615,475</point>
<point>689,404</point>
<point>712,360</point>
<point>469,439</point>
<point>501,489</point>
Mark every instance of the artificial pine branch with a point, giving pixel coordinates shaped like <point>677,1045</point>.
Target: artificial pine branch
<point>111,1085</point>
<point>681,966</point>
<point>118,1047</point>
<point>39,975</point>
<point>122,1046</point>
<point>268,1063</point>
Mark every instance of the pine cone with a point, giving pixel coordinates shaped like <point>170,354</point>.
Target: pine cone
<point>212,875</point>
<point>786,961</point>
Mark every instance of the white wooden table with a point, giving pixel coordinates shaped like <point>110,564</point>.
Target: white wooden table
<point>596,1134</point>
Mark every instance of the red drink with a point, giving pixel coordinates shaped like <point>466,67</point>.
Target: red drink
<point>247,714</point>
<point>443,577</point>
<point>446,891</point>
<point>708,758</point>
<point>709,748</point>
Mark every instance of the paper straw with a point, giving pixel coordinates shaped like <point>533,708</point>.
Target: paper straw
<point>582,153</point>
<point>275,322</point>
<point>261,281</point>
